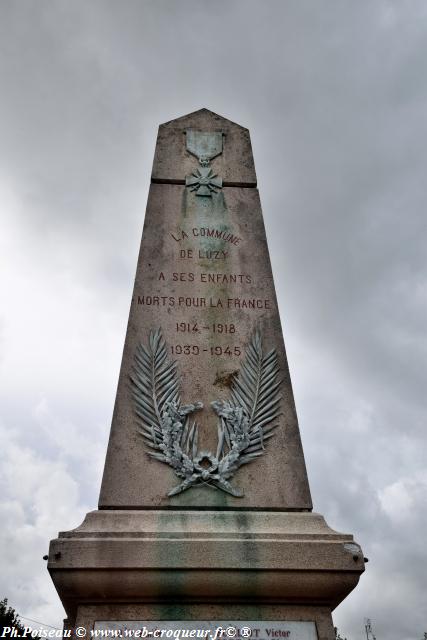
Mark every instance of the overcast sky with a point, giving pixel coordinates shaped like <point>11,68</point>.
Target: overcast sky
<point>335,96</point>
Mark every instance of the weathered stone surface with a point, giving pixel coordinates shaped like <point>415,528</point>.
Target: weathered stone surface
<point>204,278</point>
<point>170,290</point>
<point>205,557</point>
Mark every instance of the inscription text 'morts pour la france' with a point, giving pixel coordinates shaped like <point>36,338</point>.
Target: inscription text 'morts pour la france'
<point>204,349</point>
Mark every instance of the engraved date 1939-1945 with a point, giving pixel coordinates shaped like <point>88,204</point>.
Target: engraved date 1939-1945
<point>195,350</point>
<point>195,327</point>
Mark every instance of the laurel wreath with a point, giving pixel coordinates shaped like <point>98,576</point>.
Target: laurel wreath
<point>245,421</point>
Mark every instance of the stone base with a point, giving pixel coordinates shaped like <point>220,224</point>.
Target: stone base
<point>88,615</point>
<point>204,565</point>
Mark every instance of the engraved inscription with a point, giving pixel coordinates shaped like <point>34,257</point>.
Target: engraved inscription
<point>205,285</point>
<point>189,301</point>
<point>207,232</point>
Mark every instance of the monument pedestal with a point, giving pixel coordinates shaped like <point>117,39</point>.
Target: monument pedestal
<point>204,565</point>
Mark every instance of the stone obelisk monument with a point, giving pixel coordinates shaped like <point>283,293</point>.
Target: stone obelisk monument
<point>205,517</point>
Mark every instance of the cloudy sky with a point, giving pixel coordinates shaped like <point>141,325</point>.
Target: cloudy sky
<point>335,95</point>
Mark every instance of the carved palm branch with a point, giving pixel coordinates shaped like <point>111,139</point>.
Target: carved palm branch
<point>245,422</point>
<point>162,421</point>
<point>154,382</point>
<point>249,419</point>
<point>256,390</point>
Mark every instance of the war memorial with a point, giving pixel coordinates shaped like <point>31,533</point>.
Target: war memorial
<point>205,522</point>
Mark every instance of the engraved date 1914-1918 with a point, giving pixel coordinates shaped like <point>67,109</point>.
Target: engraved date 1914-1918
<point>195,327</point>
